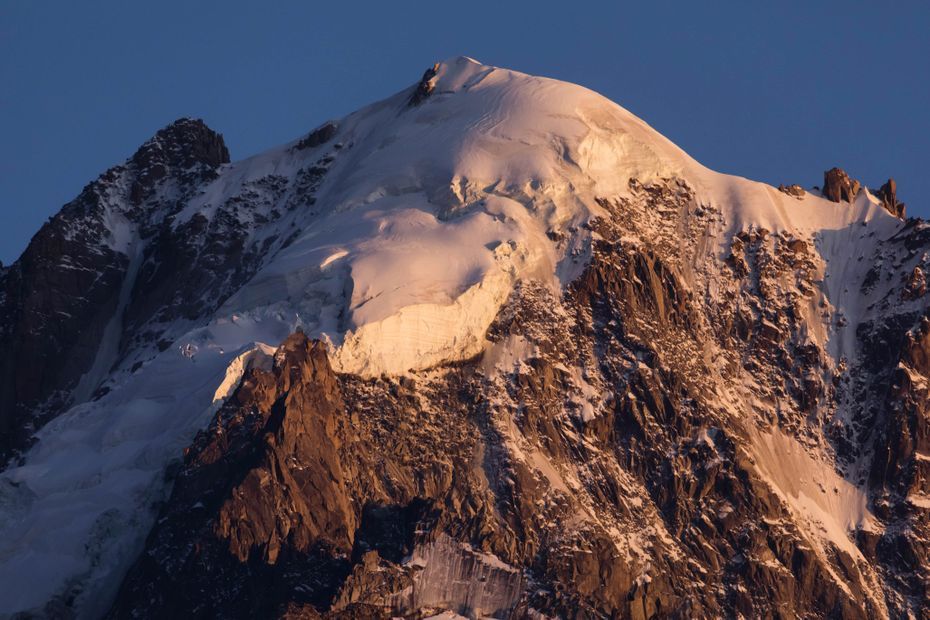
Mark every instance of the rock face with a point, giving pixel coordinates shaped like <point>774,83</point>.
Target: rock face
<point>425,88</point>
<point>288,479</point>
<point>499,458</point>
<point>838,187</point>
<point>58,301</point>
<point>694,396</point>
<point>252,501</point>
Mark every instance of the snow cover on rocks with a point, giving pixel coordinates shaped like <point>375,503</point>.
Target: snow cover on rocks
<point>426,218</point>
<point>431,213</point>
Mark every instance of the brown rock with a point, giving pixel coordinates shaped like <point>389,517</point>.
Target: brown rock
<point>838,187</point>
<point>792,190</point>
<point>916,285</point>
<point>307,505</point>
<point>888,194</point>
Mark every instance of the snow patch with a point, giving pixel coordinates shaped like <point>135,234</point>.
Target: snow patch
<point>829,505</point>
<point>262,356</point>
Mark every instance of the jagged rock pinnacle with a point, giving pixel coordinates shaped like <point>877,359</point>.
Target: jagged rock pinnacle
<point>888,194</point>
<point>425,88</point>
<point>838,187</point>
<point>183,143</point>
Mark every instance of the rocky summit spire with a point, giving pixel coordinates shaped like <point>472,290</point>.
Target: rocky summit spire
<point>838,187</point>
<point>187,146</point>
<point>888,194</point>
<point>183,143</point>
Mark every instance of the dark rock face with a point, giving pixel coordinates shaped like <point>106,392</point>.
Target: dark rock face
<point>425,88</point>
<point>289,506</point>
<point>900,474</point>
<point>838,187</point>
<point>58,299</point>
<point>321,135</point>
<point>119,274</point>
<point>52,318</point>
<point>257,518</point>
<point>182,144</point>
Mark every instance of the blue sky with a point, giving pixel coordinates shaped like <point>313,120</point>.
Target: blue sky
<point>777,92</point>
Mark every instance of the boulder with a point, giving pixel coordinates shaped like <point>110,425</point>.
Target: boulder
<point>792,190</point>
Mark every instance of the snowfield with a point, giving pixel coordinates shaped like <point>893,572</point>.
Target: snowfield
<point>425,220</point>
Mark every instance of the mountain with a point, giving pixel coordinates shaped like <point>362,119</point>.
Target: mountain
<point>491,347</point>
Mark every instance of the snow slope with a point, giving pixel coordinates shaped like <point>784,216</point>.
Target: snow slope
<point>426,218</point>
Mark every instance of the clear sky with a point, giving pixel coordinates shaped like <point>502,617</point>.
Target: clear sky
<point>775,91</point>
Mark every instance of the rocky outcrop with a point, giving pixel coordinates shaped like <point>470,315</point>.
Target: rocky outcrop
<point>916,286</point>
<point>319,136</point>
<point>183,144</point>
<point>888,194</point>
<point>285,483</point>
<point>838,187</point>
<point>792,190</point>
<point>424,89</point>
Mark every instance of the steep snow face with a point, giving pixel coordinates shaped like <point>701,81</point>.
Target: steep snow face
<point>74,513</point>
<point>423,219</point>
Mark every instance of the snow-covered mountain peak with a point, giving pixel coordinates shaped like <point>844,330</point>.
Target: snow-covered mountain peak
<point>414,202</point>
<point>599,269</point>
